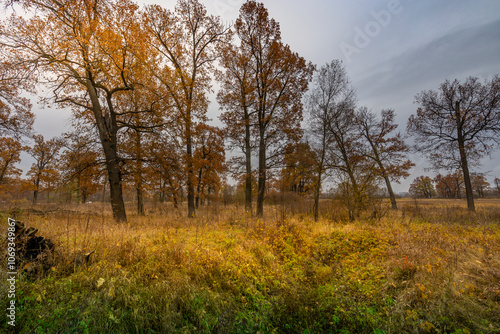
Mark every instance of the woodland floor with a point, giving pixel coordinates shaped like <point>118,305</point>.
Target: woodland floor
<point>430,267</point>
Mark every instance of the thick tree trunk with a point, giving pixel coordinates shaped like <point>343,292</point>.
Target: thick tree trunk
<point>115,186</point>
<point>463,161</point>
<point>106,125</point>
<point>262,177</point>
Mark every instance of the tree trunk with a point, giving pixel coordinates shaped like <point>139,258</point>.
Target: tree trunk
<point>161,194</point>
<point>115,187</point>
<point>35,192</point>
<point>356,206</point>
<point>190,172</point>
<point>262,177</point>
<point>463,161</point>
<point>138,170</point>
<point>175,200</point>
<point>103,198</point>
<point>394,205</point>
<point>198,189</point>
<point>316,195</point>
<point>140,200</point>
<point>248,165</point>
<point>84,197</point>
<point>35,196</point>
<point>106,125</point>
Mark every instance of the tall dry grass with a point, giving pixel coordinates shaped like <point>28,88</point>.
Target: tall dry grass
<point>430,267</point>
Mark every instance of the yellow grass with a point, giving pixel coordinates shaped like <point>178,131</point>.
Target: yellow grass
<point>429,267</point>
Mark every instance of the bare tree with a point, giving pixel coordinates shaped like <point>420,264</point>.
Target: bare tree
<point>387,150</point>
<point>330,89</point>
<point>348,158</point>
<point>458,124</point>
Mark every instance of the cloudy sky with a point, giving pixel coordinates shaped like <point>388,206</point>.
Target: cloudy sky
<point>392,49</point>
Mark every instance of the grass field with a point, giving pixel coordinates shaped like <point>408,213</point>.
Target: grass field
<point>430,267</point>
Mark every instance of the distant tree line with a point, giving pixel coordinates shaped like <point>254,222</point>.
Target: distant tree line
<point>452,185</point>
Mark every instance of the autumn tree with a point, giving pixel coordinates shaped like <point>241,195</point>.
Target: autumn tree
<point>497,183</point>
<point>444,186</point>
<point>330,88</point>
<point>237,98</point>
<point>450,185</point>
<point>209,158</point>
<point>147,112</point>
<point>16,118</point>
<point>44,172</point>
<point>298,172</point>
<point>458,124</point>
<point>422,186</point>
<point>187,41</point>
<point>10,155</point>
<point>386,148</point>
<point>165,162</point>
<point>279,78</point>
<point>479,184</point>
<point>87,53</point>
<point>80,163</point>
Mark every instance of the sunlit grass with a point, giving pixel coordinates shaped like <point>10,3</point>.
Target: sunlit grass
<point>430,267</point>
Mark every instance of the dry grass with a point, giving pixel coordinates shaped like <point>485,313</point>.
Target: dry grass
<point>430,267</point>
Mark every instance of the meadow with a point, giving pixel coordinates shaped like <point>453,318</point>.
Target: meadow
<point>430,267</point>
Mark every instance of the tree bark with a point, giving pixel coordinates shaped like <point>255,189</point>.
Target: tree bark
<point>190,172</point>
<point>394,205</point>
<point>140,200</point>
<point>320,170</point>
<point>262,176</point>
<point>106,125</point>
<point>316,196</point>
<point>138,172</point>
<point>35,196</point>
<point>463,160</point>
<point>37,187</point>
<point>248,166</point>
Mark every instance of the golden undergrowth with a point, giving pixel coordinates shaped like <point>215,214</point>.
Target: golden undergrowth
<point>429,267</point>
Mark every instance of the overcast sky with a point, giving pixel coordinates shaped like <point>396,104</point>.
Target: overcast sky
<point>392,49</point>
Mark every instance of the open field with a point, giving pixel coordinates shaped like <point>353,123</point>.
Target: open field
<point>430,267</point>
